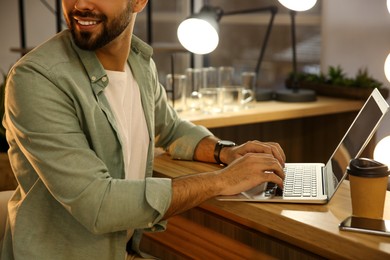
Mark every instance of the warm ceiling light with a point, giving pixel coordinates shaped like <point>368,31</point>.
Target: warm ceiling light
<point>200,32</point>
<point>382,151</point>
<point>299,5</point>
<point>387,67</point>
<point>198,35</point>
<point>388,5</point>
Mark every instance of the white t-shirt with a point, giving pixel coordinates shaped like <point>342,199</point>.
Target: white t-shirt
<point>124,98</point>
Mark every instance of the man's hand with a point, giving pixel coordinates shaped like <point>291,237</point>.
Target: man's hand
<point>249,170</point>
<point>229,154</point>
<point>242,174</point>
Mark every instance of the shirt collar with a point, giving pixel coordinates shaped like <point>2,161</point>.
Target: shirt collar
<point>139,46</point>
<point>92,64</point>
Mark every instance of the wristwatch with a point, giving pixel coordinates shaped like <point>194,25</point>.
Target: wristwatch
<point>218,147</point>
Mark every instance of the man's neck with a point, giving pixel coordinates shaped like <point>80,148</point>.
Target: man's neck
<point>114,55</point>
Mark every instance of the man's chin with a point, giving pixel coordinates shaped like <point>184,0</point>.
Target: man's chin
<point>84,41</point>
<point>85,45</point>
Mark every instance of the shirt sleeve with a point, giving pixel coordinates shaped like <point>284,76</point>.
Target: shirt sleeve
<point>179,137</point>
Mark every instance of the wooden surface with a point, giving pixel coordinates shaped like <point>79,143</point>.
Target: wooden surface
<point>268,111</point>
<point>312,228</point>
<point>186,237</point>
<point>7,179</point>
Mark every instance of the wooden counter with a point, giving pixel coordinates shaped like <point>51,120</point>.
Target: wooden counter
<point>283,231</point>
<point>268,111</point>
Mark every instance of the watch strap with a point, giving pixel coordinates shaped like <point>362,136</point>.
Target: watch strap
<point>218,147</point>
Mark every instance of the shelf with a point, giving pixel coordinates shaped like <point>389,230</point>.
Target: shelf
<point>247,19</point>
<point>280,19</point>
<point>168,47</point>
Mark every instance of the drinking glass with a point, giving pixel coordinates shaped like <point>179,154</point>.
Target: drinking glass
<point>176,91</point>
<point>225,76</point>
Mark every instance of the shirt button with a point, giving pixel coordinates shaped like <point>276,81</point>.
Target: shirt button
<point>93,78</point>
<point>150,225</point>
<point>104,79</point>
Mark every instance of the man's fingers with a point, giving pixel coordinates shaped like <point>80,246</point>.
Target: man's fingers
<point>269,148</point>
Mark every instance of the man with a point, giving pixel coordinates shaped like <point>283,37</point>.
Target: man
<point>83,113</point>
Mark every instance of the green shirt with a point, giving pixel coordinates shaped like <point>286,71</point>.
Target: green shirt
<point>72,201</point>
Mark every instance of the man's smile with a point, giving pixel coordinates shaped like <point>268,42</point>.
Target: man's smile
<point>83,22</point>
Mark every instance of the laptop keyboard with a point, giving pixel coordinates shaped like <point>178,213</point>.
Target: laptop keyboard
<point>300,181</point>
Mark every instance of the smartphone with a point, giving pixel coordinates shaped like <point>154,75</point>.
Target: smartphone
<point>366,225</point>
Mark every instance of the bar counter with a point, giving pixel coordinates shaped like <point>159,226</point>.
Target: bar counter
<point>268,111</point>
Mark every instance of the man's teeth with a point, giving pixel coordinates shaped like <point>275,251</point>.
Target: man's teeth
<point>87,22</point>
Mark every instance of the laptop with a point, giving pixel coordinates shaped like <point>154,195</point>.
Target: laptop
<point>320,181</point>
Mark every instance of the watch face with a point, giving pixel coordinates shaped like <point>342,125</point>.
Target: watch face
<point>227,143</point>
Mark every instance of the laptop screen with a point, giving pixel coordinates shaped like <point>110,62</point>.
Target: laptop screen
<point>355,140</point>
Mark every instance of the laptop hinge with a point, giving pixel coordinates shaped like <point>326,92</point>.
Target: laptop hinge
<point>324,180</point>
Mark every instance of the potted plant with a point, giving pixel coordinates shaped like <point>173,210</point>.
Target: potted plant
<point>336,83</point>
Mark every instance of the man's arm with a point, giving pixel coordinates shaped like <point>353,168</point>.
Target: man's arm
<point>242,174</point>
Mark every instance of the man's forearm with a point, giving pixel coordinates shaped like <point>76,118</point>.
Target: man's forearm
<point>190,191</point>
<point>248,165</point>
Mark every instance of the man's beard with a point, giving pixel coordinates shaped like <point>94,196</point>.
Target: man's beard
<point>90,41</point>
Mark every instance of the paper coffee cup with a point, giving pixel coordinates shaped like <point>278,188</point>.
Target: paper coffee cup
<point>368,183</point>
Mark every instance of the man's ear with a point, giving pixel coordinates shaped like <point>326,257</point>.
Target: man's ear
<point>138,5</point>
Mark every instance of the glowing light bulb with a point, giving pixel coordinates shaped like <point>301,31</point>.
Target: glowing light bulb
<point>388,5</point>
<point>298,5</point>
<point>382,151</point>
<point>198,36</point>
<point>387,67</point>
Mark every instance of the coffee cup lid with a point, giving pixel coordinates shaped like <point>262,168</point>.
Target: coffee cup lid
<point>369,168</point>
